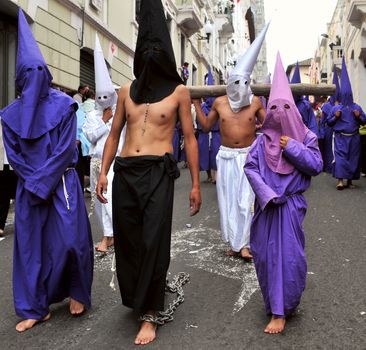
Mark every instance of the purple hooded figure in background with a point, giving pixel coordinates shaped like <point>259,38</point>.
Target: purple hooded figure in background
<point>215,141</point>
<point>53,251</point>
<point>279,168</point>
<point>303,105</point>
<point>203,138</point>
<point>345,119</point>
<point>326,131</point>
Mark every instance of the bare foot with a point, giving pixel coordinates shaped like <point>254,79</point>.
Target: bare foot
<point>106,242</point>
<point>340,185</point>
<point>277,325</point>
<point>28,324</point>
<point>230,252</point>
<point>147,333</point>
<point>76,308</point>
<point>246,255</point>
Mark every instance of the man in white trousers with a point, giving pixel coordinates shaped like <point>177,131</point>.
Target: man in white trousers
<point>237,113</point>
<point>96,129</point>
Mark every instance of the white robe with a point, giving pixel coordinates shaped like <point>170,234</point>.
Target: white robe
<point>96,131</point>
<point>235,197</point>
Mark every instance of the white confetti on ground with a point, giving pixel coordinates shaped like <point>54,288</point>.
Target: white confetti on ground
<point>201,247</point>
<point>103,262</point>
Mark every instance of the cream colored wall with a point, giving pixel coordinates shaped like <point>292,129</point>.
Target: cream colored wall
<point>304,74</point>
<point>59,41</point>
<point>353,43</point>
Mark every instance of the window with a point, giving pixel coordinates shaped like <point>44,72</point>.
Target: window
<point>8,47</point>
<point>97,4</point>
<point>87,76</point>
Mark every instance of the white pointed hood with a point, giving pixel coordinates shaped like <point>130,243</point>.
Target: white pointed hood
<point>238,88</point>
<point>105,94</point>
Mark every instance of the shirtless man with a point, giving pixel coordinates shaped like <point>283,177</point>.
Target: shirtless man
<point>143,184</point>
<point>237,132</point>
<point>236,112</point>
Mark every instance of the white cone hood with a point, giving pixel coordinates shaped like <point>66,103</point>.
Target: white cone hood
<point>105,94</point>
<point>238,88</point>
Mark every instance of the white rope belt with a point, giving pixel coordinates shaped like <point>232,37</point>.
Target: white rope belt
<point>65,189</point>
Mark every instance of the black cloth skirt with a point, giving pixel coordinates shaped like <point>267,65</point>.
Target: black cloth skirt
<point>142,199</point>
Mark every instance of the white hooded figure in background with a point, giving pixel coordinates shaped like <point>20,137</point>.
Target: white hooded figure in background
<point>238,87</point>
<point>96,129</point>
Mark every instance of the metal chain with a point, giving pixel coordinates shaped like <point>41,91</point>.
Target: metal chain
<point>95,167</point>
<point>176,286</point>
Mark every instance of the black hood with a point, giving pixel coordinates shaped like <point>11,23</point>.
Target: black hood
<point>154,63</point>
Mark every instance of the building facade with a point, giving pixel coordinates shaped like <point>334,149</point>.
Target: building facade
<point>346,36</point>
<point>304,67</point>
<point>204,33</point>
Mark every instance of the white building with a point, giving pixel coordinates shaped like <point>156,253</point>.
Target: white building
<point>65,31</point>
<point>346,36</point>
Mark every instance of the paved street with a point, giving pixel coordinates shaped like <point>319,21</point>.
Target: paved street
<point>223,307</point>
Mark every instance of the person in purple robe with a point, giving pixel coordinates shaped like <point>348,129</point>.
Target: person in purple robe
<point>346,119</point>
<point>215,141</point>
<point>176,141</point>
<point>214,149</point>
<point>326,131</point>
<point>279,169</point>
<point>203,140</point>
<point>53,250</point>
<point>304,106</point>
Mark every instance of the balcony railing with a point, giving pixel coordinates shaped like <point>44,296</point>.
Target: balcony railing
<point>357,12</point>
<point>225,9</point>
<point>337,54</point>
<point>189,16</point>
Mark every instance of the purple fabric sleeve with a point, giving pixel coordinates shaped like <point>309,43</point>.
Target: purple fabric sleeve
<point>305,157</point>
<point>14,154</point>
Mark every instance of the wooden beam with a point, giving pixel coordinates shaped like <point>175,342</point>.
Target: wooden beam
<point>264,89</point>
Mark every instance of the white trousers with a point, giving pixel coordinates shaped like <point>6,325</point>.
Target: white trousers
<point>235,197</point>
<point>103,212</point>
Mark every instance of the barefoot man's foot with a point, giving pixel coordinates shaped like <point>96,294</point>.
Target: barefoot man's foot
<point>147,333</point>
<point>277,325</point>
<point>103,246</point>
<point>28,324</point>
<point>246,255</point>
<point>76,308</point>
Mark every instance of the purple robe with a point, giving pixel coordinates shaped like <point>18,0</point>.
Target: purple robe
<point>347,143</point>
<point>277,238</point>
<point>307,114</point>
<point>214,145</point>
<point>326,132</point>
<point>53,248</point>
<point>203,140</point>
<point>176,144</point>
